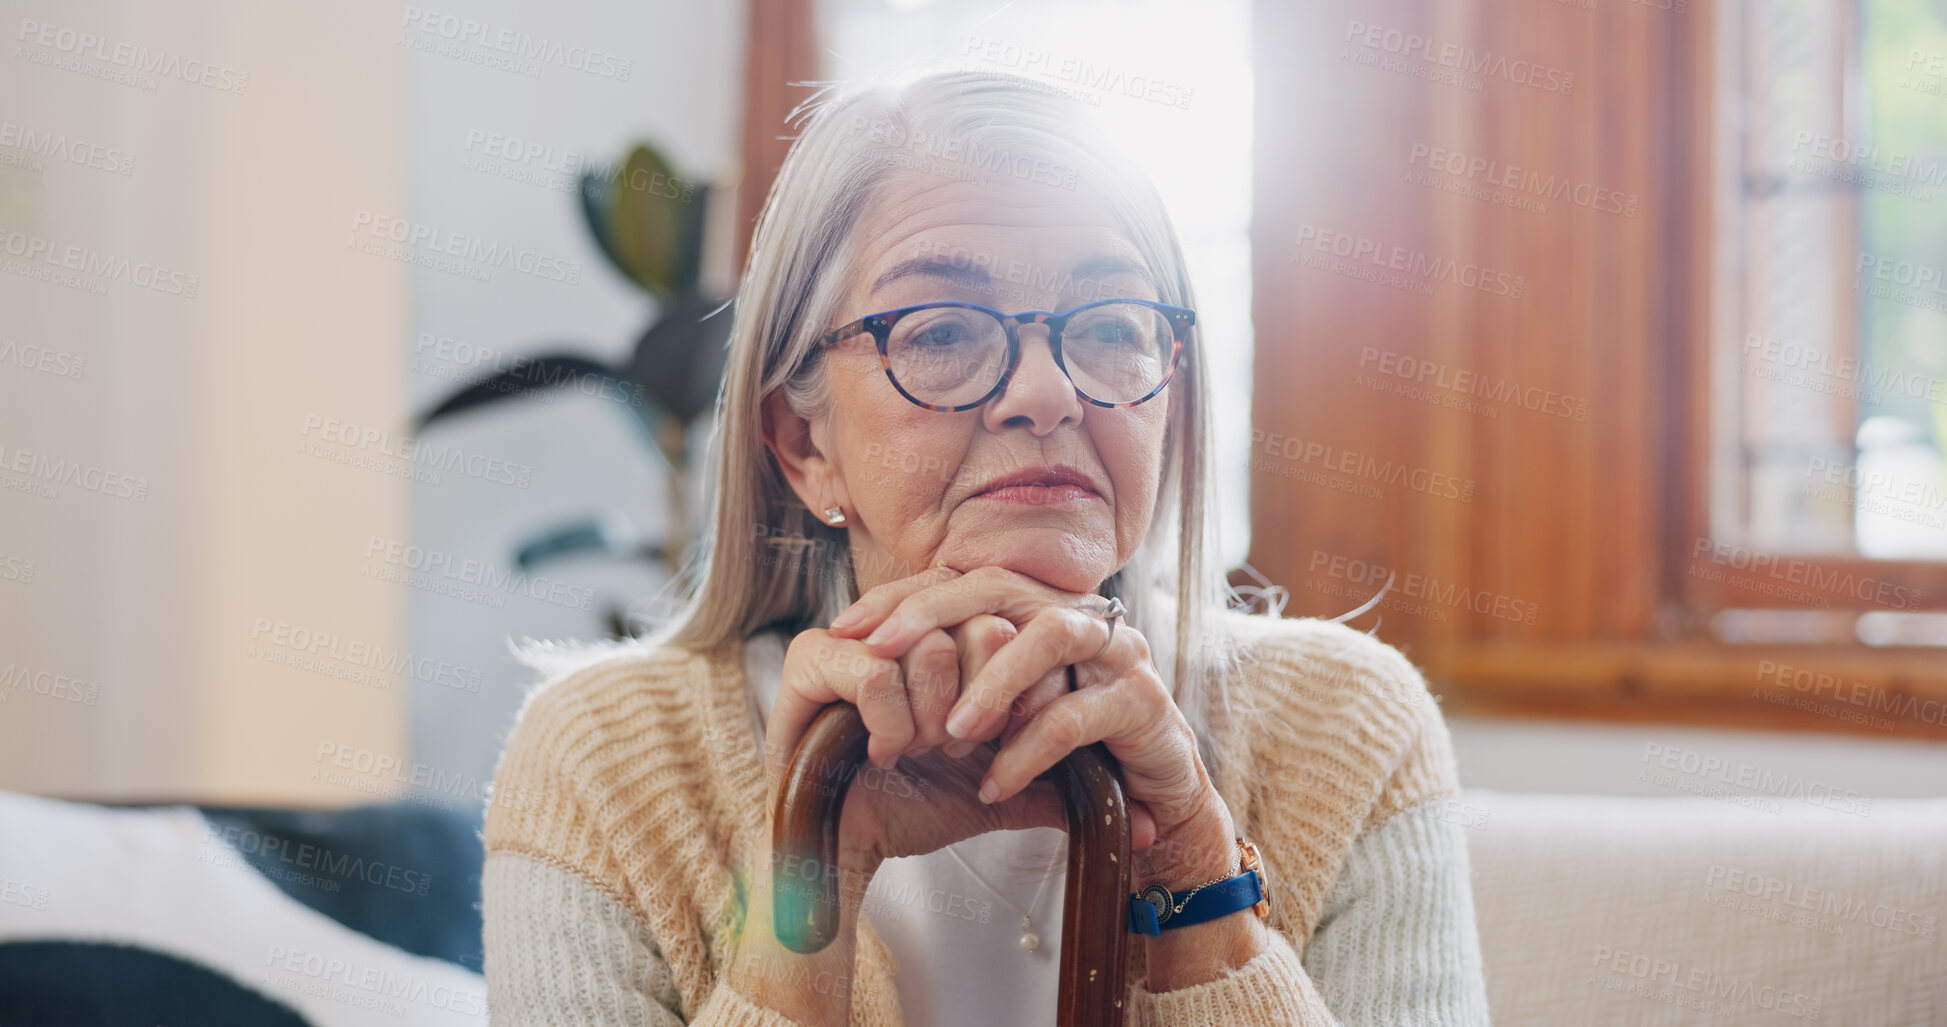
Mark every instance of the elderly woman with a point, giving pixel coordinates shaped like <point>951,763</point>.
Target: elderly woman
<point>967,408</point>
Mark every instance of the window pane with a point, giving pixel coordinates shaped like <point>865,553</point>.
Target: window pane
<point>1900,497</point>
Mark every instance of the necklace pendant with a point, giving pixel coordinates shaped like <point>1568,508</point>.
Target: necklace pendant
<point>1030,941</point>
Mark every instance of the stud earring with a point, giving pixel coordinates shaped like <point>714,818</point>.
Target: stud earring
<point>834,516</point>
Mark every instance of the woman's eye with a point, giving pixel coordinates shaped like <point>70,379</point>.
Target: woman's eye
<point>1115,333</point>
<point>945,334</point>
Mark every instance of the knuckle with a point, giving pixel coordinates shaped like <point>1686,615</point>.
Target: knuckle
<point>993,632</point>
<point>1066,727</point>
<point>881,678</point>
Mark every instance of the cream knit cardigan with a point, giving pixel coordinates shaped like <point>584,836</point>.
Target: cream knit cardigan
<point>630,798</point>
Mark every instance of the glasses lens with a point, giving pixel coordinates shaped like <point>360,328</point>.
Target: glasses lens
<point>947,356</point>
<point>1118,352</point>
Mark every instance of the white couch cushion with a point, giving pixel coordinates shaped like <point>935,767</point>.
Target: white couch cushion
<point>1602,910</point>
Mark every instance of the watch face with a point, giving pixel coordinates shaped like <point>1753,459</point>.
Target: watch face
<point>1158,896</point>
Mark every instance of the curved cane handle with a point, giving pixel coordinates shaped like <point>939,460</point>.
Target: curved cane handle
<point>1094,926</point>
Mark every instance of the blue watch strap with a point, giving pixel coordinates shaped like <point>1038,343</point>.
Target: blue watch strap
<point>1156,909</point>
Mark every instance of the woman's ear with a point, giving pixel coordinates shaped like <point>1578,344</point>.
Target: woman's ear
<point>812,473</point>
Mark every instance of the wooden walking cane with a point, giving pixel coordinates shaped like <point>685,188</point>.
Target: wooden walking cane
<point>1095,919</point>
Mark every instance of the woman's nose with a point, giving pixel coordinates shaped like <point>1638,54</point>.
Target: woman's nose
<point>1039,396</point>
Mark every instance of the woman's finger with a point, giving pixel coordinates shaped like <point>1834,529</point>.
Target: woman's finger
<point>1073,720</point>
<point>988,590</point>
<point>932,673</point>
<point>820,670</point>
<point>871,608</point>
<point>1053,685</point>
<point>1055,638</point>
<point>978,637</point>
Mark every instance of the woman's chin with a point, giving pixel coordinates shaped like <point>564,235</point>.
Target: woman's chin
<point>1070,562</point>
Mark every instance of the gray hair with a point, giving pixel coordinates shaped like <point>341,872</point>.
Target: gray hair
<point>766,562</point>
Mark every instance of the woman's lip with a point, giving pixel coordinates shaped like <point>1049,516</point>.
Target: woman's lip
<point>1055,477</point>
<point>1039,495</point>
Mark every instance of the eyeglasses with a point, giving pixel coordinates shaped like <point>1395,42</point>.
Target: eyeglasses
<point>951,357</point>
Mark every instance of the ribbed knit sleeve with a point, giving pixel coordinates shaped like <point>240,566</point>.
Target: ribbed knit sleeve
<point>1337,767</point>
<point>563,902</point>
<point>1271,989</point>
<point>1397,944</point>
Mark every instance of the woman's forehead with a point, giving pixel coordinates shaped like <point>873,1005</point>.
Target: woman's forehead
<point>978,233</point>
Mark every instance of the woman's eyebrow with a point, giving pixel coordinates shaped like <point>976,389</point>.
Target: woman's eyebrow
<point>958,272</point>
<point>961,272</point>
<point>1103,267</point>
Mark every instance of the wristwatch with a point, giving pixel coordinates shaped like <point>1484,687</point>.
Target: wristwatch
<point>1156,909</point>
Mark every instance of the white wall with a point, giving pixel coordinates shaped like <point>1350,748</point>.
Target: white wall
<point>129,612</point>
<point>683,91</point>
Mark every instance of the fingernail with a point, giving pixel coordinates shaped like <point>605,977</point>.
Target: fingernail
<point>959,750</point>
<point>888,628</point>
<point>961,724</point>
<point>848,618</point>
<point>989,791</point>
<point>917,753</point>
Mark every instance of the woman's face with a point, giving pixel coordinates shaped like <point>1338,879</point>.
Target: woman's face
<point>1036,480</point>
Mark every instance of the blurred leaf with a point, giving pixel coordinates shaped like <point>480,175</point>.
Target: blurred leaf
<point>530,376</point>
<point>646,218</point>
<point>689,248</point>
<point>596,197</point>
<point>679,361</point>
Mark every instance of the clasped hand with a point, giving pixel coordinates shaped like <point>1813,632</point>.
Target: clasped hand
<point>961,678</point>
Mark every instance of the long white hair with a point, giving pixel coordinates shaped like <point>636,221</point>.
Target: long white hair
<point>766,563</point>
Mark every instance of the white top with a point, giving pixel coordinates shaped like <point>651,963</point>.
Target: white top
<point>956,944</point>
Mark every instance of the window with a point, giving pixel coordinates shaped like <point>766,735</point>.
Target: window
<point>1828,489</point>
